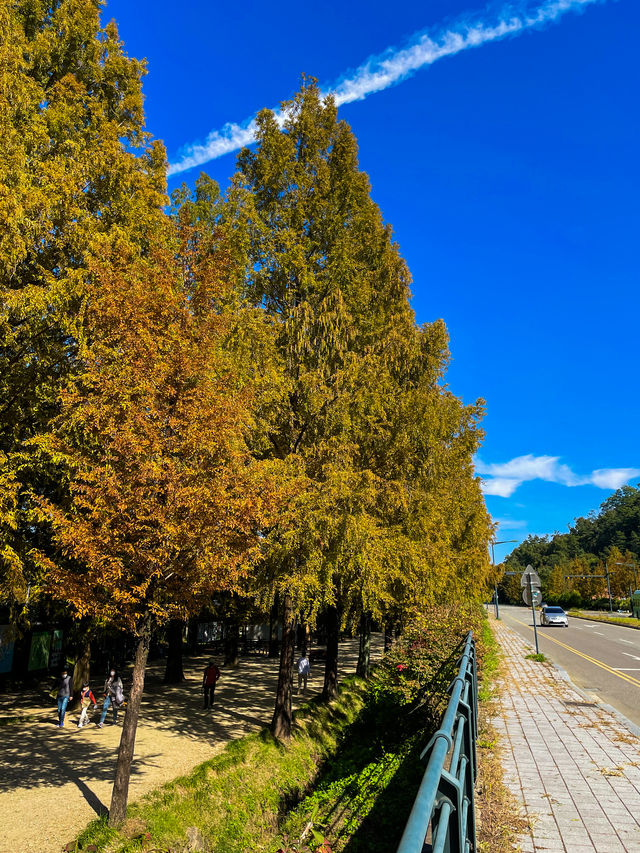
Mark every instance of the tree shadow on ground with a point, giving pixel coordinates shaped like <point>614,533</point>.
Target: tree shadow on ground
<point>41,754</point>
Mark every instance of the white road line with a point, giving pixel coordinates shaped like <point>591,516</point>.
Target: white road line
<point>626,641</point>
<point>627,668</point>
<point>600,632</point>
<point>627,655</point>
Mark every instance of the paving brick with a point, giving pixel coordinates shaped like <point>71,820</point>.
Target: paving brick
<point>575,771</point>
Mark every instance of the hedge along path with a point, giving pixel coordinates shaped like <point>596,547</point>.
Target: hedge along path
<point>54,781</point>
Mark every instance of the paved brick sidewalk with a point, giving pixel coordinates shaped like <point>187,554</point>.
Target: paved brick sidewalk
<point>573,766</point>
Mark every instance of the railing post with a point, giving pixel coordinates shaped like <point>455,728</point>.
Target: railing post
<point>445,800</point>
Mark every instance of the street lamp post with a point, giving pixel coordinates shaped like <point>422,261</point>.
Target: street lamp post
<point>493,563</point>
<point>606,568</point>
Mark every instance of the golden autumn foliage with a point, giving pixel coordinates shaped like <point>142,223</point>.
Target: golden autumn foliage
<point>164,501</point>
<point>393,516</point>
<point>234,397</point>
<point>75,165</point>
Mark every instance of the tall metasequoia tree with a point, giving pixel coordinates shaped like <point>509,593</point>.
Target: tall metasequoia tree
<point>75,165</point>
<point>164,499</point>
<point>323,265</point>
<point>366,535</point>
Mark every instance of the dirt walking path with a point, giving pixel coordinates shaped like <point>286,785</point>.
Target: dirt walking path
<point>54,781</point>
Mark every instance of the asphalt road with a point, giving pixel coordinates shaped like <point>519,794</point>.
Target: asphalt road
<point>604,660</point>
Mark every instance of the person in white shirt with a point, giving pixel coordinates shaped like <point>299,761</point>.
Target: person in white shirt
<point>304,671</point>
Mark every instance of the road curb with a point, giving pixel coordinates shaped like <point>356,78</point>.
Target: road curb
<point>626,722</point>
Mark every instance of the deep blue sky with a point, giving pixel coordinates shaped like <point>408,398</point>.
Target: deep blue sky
<point>510,174</point>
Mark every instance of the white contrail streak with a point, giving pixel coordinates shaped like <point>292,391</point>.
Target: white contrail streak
<point>392,67</point>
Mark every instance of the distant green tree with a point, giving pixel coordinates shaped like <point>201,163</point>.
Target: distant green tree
<point>610,535</point>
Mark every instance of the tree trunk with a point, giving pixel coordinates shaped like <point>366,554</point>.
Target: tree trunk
<point>173,673</point>
<point>363,667</point>
<point>81,670</point>
<point>192,636</point>
<point>330,689</point>
<point>231,645</point>
<point>273,628</point>
<point>306,639</point>
<point>388,636</point>
<point>282,714</point>
<point>118,809</point>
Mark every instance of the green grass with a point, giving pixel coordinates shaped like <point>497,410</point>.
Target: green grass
<point>626,621</point>
<point>238,797</point>
<point>490,653</point>
<point>362,800</point>
<point>539,657</point>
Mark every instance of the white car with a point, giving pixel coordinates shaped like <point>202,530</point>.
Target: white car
<point>553,616</point>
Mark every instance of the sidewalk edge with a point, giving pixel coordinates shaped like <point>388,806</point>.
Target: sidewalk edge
<point>633,728</point>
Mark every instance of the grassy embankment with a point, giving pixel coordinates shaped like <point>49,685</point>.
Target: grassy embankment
<point>625,621</point>
<point>236,797</point>
<point>343,777</point>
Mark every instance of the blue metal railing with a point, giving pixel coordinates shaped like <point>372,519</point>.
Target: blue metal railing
<point>442,819</point>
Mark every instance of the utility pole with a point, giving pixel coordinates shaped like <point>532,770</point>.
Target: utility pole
<point>531,583</point>
<point>606,568</point>
<point>533,613</point>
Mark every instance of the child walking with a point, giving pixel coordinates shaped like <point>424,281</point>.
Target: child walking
<point>86,698</point>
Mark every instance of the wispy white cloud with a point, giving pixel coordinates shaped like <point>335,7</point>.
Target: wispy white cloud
<point>395,65</point>
<point>613,478</point>
<point>502,479</point>
<point>503,487</point>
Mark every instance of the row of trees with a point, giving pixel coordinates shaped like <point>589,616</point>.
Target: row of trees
<point>607,539</point>
<point>228,398</point>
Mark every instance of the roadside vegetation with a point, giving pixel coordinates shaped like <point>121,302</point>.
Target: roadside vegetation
<point>573,566</point>
<point>247,359</point>
<point>236,798</point>
<point>625,621</point>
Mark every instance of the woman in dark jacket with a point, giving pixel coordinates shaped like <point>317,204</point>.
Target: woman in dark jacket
<point>65,693</point>
<point>113,696</point>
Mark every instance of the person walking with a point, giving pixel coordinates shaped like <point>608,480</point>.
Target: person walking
<point>304,671</point>
<point>211,676</point>
<point>65,693</point>
<point>113,697</point>
<point>86,698</point>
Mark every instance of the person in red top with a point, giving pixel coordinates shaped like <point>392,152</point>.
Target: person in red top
<point>211,675</point>
<point>86,698</point>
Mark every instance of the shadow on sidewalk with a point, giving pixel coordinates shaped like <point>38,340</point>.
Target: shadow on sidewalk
<point>40,754</point>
